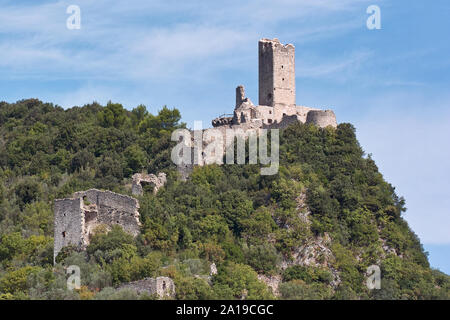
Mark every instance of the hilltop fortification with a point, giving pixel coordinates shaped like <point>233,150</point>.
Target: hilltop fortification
<point>277,95</point>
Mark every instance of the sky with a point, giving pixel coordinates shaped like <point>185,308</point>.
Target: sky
<point>391,83</point>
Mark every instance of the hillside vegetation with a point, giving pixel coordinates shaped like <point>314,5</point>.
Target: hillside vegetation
<point>314,227</point>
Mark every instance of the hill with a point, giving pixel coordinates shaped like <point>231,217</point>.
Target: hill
<point>309,232</point>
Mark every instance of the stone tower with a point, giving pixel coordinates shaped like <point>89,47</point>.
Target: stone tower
<point>276,73</point>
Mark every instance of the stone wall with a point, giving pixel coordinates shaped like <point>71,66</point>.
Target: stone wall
<point>161,286</point>
<point>69,224</point>
<point>321,118</point>
<point>76,218</point>
<point>276,73</point>
<point>277,107</point>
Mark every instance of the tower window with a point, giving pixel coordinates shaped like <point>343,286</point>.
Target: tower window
<point>64,234</point>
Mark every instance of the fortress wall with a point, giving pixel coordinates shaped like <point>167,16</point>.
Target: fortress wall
<point>283,110</point>
<point>162,286</point>
<point>69,224</point>
<point>284,74</point>
<point>266,114</point>
<point>265,74</point>
<point>75,220</point>
<point>110,216</point>
<point>118,201</point>
<point>302,112</point>
<point>110,199</point>
<point>276,73</point>
<point>322,118</point>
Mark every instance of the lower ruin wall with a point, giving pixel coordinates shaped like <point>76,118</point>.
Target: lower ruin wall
<point>76,218</point>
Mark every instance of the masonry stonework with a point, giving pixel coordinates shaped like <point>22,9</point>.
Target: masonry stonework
<point>140,179</point>
<point>277,95</point>
<point>76,218</point>
<point>161,286</point>
<point>276,73</point>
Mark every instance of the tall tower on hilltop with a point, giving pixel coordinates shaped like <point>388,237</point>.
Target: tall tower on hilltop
<point>276,73</point>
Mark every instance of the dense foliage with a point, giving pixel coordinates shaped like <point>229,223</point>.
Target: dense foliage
<point>247,224</point>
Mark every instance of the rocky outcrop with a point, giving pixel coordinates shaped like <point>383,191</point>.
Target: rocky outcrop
<point>272,282</point>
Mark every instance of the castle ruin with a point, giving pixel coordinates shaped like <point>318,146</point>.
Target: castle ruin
<point>161,286</point>
<point>140,179</point>
<point>277,102</point>
<point>76,218</point>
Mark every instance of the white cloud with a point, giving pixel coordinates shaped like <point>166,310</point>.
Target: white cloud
<point>149,39</point>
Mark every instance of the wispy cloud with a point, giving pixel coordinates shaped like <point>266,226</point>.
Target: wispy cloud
<point>140,41</point>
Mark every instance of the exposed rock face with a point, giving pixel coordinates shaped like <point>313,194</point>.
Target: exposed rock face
<point>162,286</point>
<point>212,269</point>
<point>141,178</point>
<point>315,252</point>
<point>272,282</point>
<point>77,217</point>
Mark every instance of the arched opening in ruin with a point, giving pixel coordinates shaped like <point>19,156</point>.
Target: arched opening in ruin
<point>147,187</point>
<point>86,201</point>
<point>164,285</point>
<point>64,234</point>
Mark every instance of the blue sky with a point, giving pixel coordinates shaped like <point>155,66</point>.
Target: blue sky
<point>392,84</point>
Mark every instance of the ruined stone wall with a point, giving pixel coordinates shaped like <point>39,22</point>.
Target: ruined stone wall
<point>69,224</point>
<point>265,73</point>
<point>139,179</point>
<point>240,95</point>
<point>76,218</point>
<point>322,118</point>
<point>161,286</point>
<point>112,208</point>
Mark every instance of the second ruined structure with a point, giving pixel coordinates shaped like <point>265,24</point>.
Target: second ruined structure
<point>141,179</point>
<point>77,218</point>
